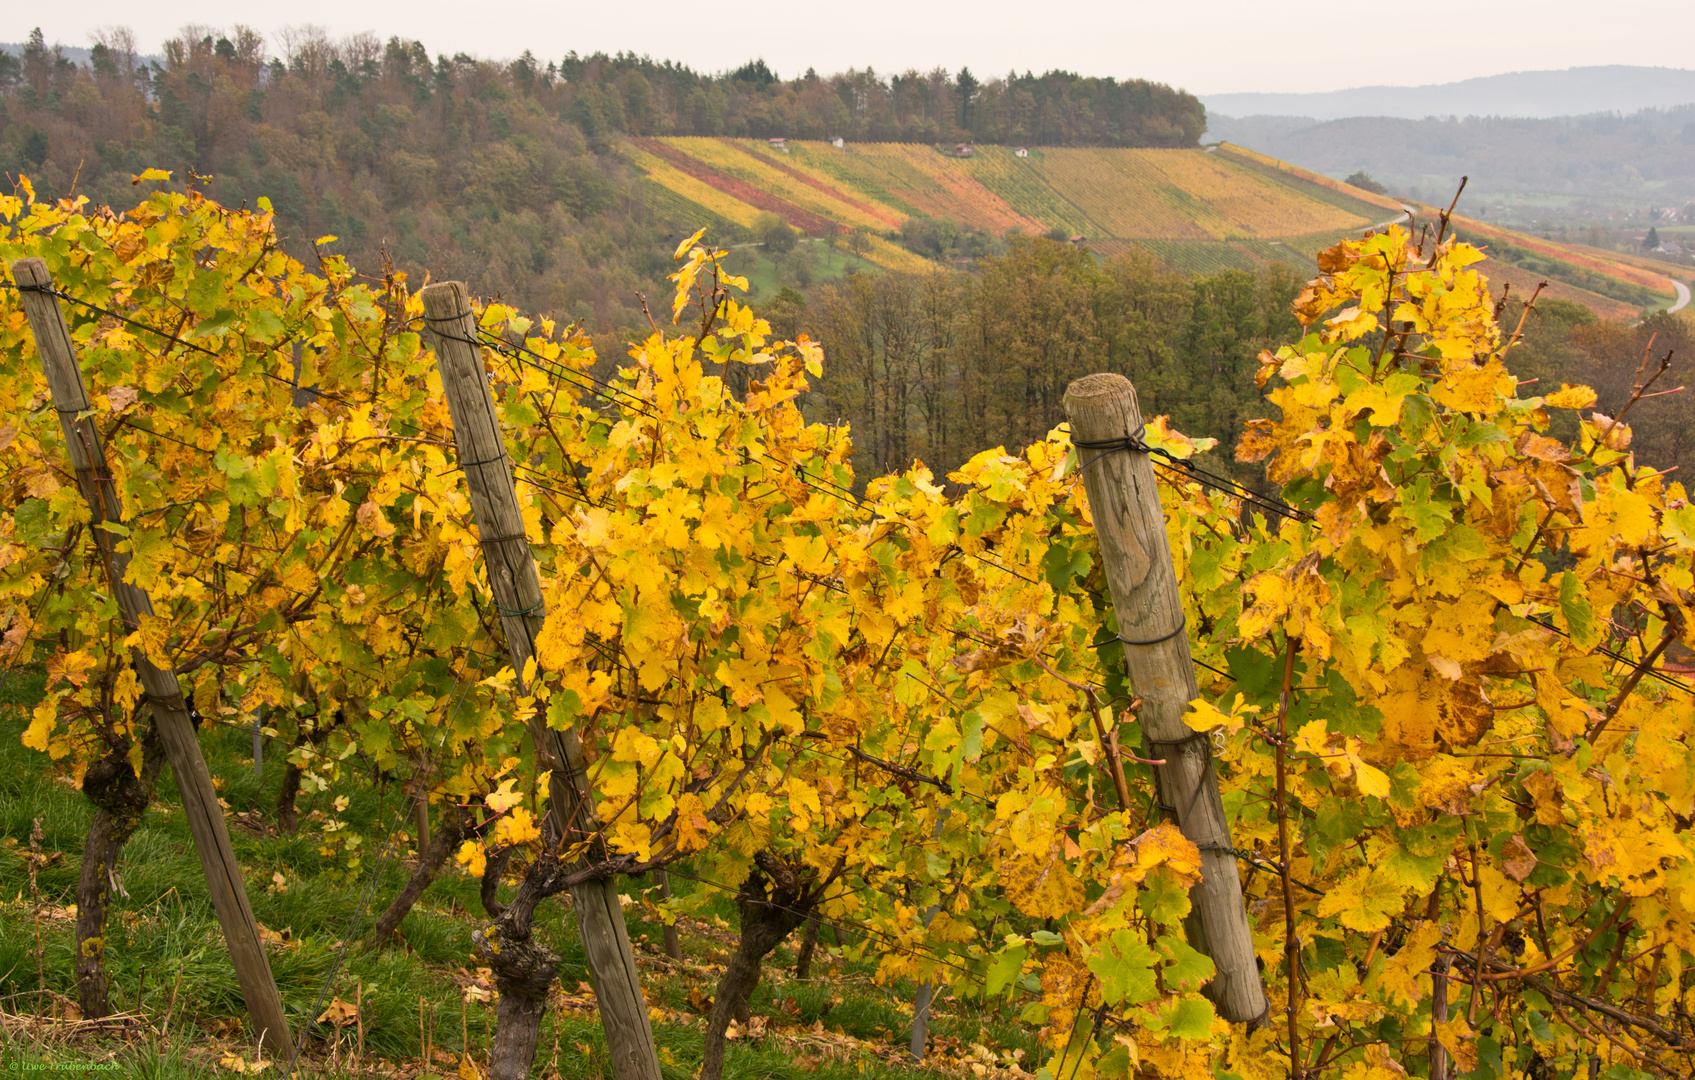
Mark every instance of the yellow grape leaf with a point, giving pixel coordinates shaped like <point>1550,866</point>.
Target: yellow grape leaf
<point>1371,780</point>
<point>472,857</point>
<point>1476,388</point>
<point>1163,845</point>
<point>503,798</point>
<point>72,667</point>
<point>1204,716</point>
<point>1456,1037</point>
<point>683,248</point>
<point>1633,518</point>
<point>1403,975</point>
<point>517,827</point>
<point>339,1013</point>
<point>1519,861</point>
<point>1042,887</point>
<point>1570,396</point>
<point>1365,900</point>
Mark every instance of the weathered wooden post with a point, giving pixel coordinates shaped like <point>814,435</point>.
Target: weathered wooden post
<point>1106,426</point>
<point>200,801</point>
<point>673,944</point>
<point>452,329</point>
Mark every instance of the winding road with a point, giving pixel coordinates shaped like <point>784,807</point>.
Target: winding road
<point>1682,296</point>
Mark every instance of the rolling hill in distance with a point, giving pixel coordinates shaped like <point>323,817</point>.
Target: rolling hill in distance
<point>1585,144</point>
<point>1578,91</point>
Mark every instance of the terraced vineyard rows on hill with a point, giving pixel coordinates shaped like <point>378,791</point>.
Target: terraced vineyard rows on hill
<point>739,160</point>
<point>1021,184</point>
<point>1199,211</point>
<point>1591,259</point>
<point>1246,200</point>
<point>1125,198</point>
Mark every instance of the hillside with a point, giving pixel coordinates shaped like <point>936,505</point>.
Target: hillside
<point>1197,211</point>
<point>1613,285</point>
<point>564,186</point>
<point>1579,169</point>
<point>1616,88</point>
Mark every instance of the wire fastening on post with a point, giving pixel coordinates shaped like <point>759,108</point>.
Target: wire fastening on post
<point>1182,622</point>
<point>1135,442</point>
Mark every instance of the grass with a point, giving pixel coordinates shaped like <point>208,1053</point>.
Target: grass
<point>181,1010</point>
<point>811,262</point>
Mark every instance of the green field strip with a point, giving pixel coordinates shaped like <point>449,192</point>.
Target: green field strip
<point>1311,244</point>
<point>679,211</point>
<point>1017,181</point>
<point>921,176</point>
<point>783,163</point>
<point>1278,251</point>
<point>897,179</point>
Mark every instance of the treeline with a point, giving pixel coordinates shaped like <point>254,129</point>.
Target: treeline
<point>638,95</point>
<point>940,366</point>
<point>457,167</point>
<point>1567,343</point>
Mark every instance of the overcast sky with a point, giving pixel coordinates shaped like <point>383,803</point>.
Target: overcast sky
<point>1204,46</point>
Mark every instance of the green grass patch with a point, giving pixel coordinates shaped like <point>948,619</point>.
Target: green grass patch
<point>172,980</point>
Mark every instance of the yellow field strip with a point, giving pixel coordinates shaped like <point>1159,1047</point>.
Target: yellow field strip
<point>697,191</point>
<point>751,168</point>
<point>1257,207</point>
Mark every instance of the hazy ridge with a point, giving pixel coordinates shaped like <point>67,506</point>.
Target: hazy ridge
<point>1617,88</point>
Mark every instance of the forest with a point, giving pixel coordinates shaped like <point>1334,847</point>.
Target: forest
<point>508,169</point>
<point>939,366</point>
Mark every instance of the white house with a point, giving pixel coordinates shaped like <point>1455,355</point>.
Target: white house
<point>1021,152</point>
<point>779,144</point>
<point>838,142</point>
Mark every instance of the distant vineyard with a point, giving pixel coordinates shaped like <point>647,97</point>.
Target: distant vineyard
<point>1101,194</point>
<point>1253,204</point>
<point>1589,259</point>
<point>1198,211</point>
<point>1019,181</point>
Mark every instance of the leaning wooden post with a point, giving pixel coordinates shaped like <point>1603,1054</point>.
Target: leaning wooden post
<point>200,801</point>
<point>1136,555</point>
<point>452,327</point>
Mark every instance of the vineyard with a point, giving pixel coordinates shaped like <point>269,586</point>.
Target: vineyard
<point>1128,770</point>
<point>1199,211</point>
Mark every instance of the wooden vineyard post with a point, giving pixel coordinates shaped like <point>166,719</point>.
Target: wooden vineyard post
<point>673,945</point>
<point>1136,557</point>
<point>200,801</point>
<point>452,328</point>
